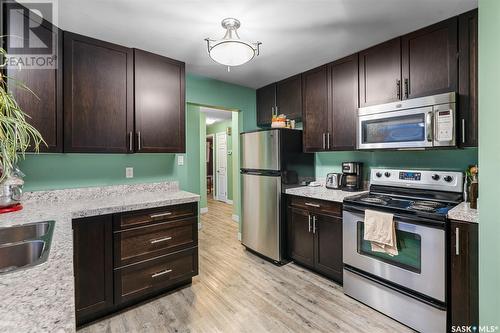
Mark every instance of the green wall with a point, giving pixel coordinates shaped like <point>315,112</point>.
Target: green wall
<point>221,127</point>
<point>489,162</point>
<point>56,171</point>
<point>456,159</point>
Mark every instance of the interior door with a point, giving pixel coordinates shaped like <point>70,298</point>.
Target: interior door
<point>221,166</point>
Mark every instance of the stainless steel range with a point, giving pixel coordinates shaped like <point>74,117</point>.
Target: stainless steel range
<point>410,286</point>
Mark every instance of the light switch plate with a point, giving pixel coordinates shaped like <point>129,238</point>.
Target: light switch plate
<point>129,172</point>
<point>180,160</point>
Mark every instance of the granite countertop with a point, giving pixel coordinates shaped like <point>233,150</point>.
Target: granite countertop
<point>41,298</point>
<point>321,193</point>
<point>463,212</point>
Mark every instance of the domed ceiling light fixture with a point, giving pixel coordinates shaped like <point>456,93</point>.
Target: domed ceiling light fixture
<point>231,51</point>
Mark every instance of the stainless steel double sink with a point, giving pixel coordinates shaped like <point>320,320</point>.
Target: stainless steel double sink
<point>24,246</point>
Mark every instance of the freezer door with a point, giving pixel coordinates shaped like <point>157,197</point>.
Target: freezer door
<point>260,150</point>
<point>261,214</point>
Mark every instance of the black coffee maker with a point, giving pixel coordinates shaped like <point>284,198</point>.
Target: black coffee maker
<point>352,176</point>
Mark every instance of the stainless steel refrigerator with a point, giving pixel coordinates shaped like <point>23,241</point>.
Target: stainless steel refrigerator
<point>271,160</point>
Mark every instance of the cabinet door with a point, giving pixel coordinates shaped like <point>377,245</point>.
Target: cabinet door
<point>328,246</point>
<point>315,109</point>
<point>44,105</point>
<point>93,266</point>
<point>300,237</point>
<point>289,97</point>
<point>467,79</point>
<point>430,60</point>
<point>266,102</point>
<point>159,103</point>
<point>464,274</point>
<point>98,95</point>
<point>380,73</point>
<point>344,102</point>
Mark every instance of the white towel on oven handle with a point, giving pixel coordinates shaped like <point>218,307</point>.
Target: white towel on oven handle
<point>380,230</point>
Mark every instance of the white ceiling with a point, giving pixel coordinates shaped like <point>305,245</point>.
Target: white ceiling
<point>296,34</point>
<point>215,115</point>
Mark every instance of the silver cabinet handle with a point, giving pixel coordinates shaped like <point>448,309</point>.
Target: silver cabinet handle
<point>139,140</point>
<point>312,204</point>
<point>463,130</point>
<point>276,110</point>
<point>407,88</point>
<point>328,140</point>
<point>428,126</point>
<point>314,224</point>
<point>324,141</point>
<point>130,141</point>
<point>398,88</point>
<point>159,240</point>
<point>161,273</point>
<point>160,215</point>
<point>272,110</point>
<point>309,216</point>
<point>457,241</point>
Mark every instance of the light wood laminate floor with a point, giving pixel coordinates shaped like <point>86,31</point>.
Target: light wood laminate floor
<point>237,291</point>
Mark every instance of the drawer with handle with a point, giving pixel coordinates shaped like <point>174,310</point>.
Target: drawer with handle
<point>154,215</point>
<point>150,276</point>
<point>148,241</point>
<point>315,205</point>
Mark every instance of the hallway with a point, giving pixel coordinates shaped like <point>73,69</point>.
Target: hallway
<point>237,291</point>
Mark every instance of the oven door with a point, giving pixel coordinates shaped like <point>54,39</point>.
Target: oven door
<point>412,128</point>
<point>419,265</point>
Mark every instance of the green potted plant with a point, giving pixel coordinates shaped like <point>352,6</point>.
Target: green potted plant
<point>16,137</point>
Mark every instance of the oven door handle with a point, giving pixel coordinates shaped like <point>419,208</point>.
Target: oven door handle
<point>400,218</point>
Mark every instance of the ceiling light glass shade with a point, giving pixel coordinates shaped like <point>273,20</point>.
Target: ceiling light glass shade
<point>231,50</point>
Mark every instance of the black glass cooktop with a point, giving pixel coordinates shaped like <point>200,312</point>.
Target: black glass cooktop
<point>418,206</point>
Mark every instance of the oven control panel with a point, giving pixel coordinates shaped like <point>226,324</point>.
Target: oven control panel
<point>450,181</point>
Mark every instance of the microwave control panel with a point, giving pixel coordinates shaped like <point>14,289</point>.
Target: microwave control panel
<point>444,125</point>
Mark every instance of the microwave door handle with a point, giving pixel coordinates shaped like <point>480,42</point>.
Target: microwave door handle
<point>428,126</point>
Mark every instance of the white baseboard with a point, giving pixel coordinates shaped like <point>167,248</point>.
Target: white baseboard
<point>204,210</point>
<point>229,202</point>
<point>236,218</point>
<point>239,236</point>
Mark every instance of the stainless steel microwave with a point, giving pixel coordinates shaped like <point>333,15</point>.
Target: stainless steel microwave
<point>424,122</point>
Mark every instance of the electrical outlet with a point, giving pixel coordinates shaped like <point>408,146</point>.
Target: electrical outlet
<point>180,160</point>
<point>129,172</point>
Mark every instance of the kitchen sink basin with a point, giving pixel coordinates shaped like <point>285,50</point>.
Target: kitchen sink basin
<point>15,256</point>
<point>23,232</point>
<point>25,245</point>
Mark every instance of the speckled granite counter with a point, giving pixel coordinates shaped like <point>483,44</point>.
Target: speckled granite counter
<point>321,193</point>
<point>41,298</point>
<point>463,212</point>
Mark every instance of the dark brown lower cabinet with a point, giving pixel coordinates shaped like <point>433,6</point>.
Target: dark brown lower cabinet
<point>93,267</point>
<point>315,237</point>
<point>125,258</point>
<point>464,272</point>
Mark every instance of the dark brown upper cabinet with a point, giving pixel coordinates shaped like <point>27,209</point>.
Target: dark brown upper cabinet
<point>283,97</point>
<point>266,103</point>
<point>429,60</point>
<point>289,97</point>
<point>316,116</point>
<point>467,79</point>
<point>344,103</point>
<point>160,101</point>
<point>98,96</point>
<point>44,104</point>
<point>380,73</point>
